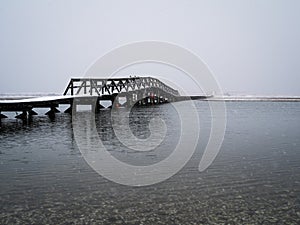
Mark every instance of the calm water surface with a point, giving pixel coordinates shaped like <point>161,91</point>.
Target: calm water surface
<point>255,178</point>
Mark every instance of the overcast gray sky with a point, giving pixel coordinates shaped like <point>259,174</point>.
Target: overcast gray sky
<point>252,47</point>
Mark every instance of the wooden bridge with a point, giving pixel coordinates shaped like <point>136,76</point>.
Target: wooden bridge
<point>136,91</point>
<point>118,85</point>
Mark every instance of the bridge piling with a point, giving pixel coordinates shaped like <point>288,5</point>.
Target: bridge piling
<point>22,116</point>
<point>53,110</point>
<point>95,107</point>
<point>69,110</point>
<point>129,100</point>
<point>2,116</point>
<point>32,113</point>
<point>99,106</point>
<point>115,101</point>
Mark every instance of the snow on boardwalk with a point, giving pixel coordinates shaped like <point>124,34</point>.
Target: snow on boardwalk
<point>36,99</point>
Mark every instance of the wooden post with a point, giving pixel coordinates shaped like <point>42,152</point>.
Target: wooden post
<point>31,112</point>
<point>22,116</point>
<point>72,88</point>
<point>70,109</point>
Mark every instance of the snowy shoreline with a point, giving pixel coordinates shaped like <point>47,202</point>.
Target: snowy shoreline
<point>255,98</point>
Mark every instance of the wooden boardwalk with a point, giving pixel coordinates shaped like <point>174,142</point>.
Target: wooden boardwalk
<point>137,91</point>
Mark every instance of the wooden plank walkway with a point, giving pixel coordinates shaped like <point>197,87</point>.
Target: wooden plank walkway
<point>138,91</point>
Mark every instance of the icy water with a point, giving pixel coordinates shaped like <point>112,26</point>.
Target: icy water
<point>255,178</point>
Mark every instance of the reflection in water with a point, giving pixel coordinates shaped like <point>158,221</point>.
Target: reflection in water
<point>141,170</point>
<point>254,179</point>
<point>107,122</point>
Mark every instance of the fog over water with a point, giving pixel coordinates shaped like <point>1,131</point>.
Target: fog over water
<point>252,47</point>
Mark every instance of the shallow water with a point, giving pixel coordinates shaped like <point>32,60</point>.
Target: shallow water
<point>255,179</point>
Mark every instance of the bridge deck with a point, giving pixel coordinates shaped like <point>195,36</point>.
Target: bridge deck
<point>55,101</point>
<point>91,91</point>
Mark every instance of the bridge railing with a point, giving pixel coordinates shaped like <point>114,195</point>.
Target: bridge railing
<point>98,87</point>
